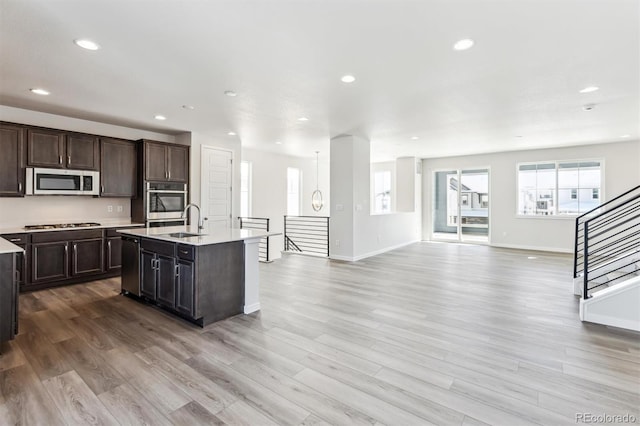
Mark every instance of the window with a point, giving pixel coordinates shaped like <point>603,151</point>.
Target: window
<point>382,192</point>
<point>293,191</point>
<point>245,189</point>
<point>558,188</point>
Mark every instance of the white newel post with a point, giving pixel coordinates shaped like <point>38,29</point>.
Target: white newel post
<point>251,278</point>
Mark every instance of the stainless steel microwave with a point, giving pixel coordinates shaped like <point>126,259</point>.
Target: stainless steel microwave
<point>40,181</point>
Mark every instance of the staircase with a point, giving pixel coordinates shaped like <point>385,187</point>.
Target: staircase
<point>606,268</point>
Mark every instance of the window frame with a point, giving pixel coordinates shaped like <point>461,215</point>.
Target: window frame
<point>374,195</point>
<point>557,163</point>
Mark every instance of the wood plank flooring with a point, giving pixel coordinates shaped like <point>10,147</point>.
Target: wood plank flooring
<point>442,334</point>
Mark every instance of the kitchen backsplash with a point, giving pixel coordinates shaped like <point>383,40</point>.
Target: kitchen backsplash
<point>18,212</point>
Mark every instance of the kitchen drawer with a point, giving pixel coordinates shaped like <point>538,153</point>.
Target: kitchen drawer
<point>17,238</point>
<point>186,252</point>
<point>84,234</point>
<point>161,247</point>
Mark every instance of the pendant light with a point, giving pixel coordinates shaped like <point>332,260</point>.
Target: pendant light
<point>316,196</point>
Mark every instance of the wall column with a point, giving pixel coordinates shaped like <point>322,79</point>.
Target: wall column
<point>350,193</point>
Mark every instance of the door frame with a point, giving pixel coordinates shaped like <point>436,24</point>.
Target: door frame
<point>459,171</point>
<point>202,177</point>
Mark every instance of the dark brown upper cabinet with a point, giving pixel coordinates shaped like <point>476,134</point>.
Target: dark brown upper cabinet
<point>58,149</point>
<point>118,168</point>
<point>12,160</point>
<point>166,162</point>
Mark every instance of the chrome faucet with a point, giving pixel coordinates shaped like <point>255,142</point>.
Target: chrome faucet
<point>200,220</point>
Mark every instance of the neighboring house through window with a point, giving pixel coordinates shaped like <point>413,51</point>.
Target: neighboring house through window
<point>559,187</point>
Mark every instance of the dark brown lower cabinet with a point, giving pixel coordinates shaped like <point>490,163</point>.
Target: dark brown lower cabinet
<point>8,297</point>
<point>88,256</point>
<point>166,271</point>
<point>185,288</point>
<point>50,261</point>
<point>113,252</point>
<point>201,283</point>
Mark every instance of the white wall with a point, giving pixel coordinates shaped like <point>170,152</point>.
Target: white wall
<point>17,212</point>
<point>362,234</point>
<point>621,167</point>
<point>269,189</point>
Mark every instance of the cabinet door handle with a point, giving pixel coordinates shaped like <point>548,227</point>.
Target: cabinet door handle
<point>15,240</point>
<point>169,174</point>
<point>177,270</point>
<point>19,186</point>
<point>102,188</point>
<point>68,159</point>
<point>60,159</point>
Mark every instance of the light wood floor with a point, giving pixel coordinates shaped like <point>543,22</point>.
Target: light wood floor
<point>428,334</point>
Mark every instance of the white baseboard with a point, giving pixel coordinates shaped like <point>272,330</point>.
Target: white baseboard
<point>251,308</point>
<point>533,248</point>
<point>372,253</point>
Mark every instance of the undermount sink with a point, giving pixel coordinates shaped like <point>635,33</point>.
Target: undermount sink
<point>184,235</point>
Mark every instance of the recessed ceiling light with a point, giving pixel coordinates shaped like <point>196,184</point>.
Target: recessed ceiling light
<point>531,257</point>
<point>40,91</point>
<point>160,117</point>
<point>278,143</point>
<point>414,138</point>
<point>231,133</point>
<point>518,136</point>
<point>348,79</point>
<point>463,44</point>
<point>625,136</point>
<point>303,119</point>
<point>189,107</point>
<point>230,93</point>
<point>589,89</point>
<point>87,44</point>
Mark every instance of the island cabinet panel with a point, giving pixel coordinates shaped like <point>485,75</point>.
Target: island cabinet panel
<point>12,161</point>
<point>202,283</point>
<point>148,274</point>
<point>185,288</point>
<point>166,282</point>
<point>8,297</point>
<point>219,281</point>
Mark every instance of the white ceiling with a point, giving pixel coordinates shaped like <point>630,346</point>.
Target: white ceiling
<point>284,58</point>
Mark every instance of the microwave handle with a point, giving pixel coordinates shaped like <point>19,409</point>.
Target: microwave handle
<point>28,184</point>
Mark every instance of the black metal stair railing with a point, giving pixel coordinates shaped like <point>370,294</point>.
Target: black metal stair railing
<point>607,243</point>
<point>307,234</point>
<point>262,224</point>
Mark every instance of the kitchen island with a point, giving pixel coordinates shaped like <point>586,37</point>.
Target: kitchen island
<point>8,291</point>
<point>201,275</point>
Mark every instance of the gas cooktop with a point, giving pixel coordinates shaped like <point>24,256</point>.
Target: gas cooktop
<point>62,225</point>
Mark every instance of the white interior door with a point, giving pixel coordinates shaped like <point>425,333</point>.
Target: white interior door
<point>216,186</point>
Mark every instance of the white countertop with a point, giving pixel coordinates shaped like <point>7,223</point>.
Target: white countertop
<point>7,247</point>
<point>105,224</point>
<point>215,236</point>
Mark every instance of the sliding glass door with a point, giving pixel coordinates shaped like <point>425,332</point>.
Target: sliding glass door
<point>461,205</point>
